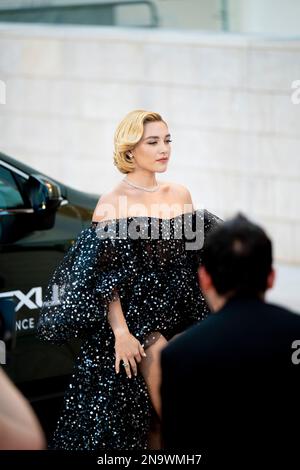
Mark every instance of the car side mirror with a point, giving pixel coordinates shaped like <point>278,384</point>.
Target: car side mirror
<point>45,197</point>
<point>43,193</point>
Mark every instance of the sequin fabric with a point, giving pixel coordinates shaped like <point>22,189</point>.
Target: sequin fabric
<point>145,263</point>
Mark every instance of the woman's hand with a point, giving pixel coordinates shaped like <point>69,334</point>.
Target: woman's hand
<point>128,350</point>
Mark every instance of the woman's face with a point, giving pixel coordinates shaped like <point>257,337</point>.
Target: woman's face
<point>153,150</point>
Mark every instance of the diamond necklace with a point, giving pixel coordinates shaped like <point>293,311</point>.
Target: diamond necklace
<point>141,187</point>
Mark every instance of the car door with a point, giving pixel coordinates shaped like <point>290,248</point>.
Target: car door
<point>28,256</point>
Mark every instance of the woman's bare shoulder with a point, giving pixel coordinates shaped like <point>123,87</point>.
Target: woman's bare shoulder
<point>106,207</point>
<point>178,195</point>
<point>172,185</point>
<point>178,189</point>
<point>110,203</point>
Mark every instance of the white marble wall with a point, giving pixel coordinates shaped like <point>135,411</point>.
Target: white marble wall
<point>227,99</point>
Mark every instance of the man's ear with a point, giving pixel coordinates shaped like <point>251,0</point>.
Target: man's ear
<point>204,279</point>
<point>271,279</point>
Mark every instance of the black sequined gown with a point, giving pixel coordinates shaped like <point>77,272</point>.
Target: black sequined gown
<point>153,270</point>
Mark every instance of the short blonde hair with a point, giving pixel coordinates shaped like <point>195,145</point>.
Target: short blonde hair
<point>128,133</point>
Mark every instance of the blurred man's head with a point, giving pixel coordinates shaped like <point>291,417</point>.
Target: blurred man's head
<point>237,262</point>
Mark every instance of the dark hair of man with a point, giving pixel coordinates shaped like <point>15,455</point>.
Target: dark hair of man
<point>238,257</point>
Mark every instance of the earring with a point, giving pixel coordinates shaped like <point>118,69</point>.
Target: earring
<point>130,156</point>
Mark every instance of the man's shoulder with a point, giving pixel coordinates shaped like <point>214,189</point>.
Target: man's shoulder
<point>282,312</point>
<point>192,340</point>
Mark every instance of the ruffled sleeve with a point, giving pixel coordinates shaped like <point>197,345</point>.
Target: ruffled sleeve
<point>117,268</point>
<point>92,273</point>
<point>195,304</point>
<point>205,222</point>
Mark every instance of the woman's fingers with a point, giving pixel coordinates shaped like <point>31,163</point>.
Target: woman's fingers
<point>142,351</point>
<point>126,364</point>
<point>133,366</point>
<point>117,364</point>
<point>130,360</point>
<point>138,357</point>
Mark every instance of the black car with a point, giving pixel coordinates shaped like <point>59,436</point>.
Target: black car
<point>39,220</point>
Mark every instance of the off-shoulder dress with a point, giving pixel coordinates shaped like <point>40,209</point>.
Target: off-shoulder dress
<point>150,264</point>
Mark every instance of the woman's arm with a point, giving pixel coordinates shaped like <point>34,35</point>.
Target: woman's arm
<point>127,347</point>
<point>19,428</point>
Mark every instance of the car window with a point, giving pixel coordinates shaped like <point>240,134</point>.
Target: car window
<point>10,196</point>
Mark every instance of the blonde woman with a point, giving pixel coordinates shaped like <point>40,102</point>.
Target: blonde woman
<point>127,286</point>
